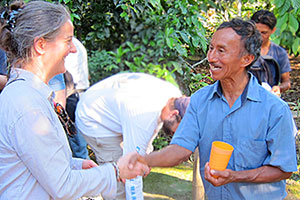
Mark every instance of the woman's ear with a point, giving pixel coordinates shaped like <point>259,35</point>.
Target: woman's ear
<point>39,45</point>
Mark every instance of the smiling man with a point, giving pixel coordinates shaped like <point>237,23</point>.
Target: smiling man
<point>239,111</point>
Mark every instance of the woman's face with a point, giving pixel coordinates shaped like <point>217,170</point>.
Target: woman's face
<point>57,50</point>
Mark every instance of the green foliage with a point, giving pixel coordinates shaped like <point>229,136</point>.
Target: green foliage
<point>288,32</point>
<point>160,141</point>
<point>198,81</point>
<point>155,37</point>
<point>101,65</point>
<point>163,37</point>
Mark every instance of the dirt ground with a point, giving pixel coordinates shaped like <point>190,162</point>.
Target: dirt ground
<point>293,94</point>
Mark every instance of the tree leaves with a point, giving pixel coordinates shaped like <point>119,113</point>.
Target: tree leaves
<point>296,45</point>
<point>293,23</point>
<point>296,4</point>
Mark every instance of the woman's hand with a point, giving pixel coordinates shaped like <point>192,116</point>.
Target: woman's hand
<point>87,164</point>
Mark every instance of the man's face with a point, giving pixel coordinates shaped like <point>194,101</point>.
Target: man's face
<point>170,125</point>
<point>224,54</point>
<point>265,32</point>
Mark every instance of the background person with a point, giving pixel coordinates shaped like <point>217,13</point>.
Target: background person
<point>123,113</point>
<point>239,111</point>
<point>36,160</point>
<point>77,65</point>
<point>3,69</point>
<point>77,80</point>
<point>57,84</point>
<point>265,23</point>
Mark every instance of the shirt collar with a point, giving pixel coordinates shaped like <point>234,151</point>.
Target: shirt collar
<point>34,82</point>
<point>250,92</point>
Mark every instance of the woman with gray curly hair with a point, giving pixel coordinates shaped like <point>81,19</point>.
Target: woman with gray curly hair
<point>36,161</point>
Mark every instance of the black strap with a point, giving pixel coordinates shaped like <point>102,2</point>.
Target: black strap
<point>19,79</point>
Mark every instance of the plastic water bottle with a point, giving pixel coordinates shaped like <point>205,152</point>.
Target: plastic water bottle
<point>133,182</point>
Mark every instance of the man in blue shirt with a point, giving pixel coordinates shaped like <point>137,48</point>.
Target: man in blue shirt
<point>239,111</point>
<point>265,23</point>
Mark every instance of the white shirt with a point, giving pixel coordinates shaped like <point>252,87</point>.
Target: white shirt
<point>129,104</point>
<point>77,65</point>
<point>36,160</point>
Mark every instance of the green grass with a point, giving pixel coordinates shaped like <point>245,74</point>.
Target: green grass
<point>169,183</point>
<point>293,189</point>
<point>176,183</point>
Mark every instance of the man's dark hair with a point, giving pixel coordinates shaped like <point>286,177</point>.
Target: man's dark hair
<point>250,36</point>
<point>180,104</point>
<point>265,17</point>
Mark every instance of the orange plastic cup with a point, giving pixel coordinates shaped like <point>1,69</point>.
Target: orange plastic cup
<point>220,155</point>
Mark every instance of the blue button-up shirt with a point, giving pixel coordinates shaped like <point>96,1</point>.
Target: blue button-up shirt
<point>36,161</point>
<point>259,126</point>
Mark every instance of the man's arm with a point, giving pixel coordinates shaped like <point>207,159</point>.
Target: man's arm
<point>3,80</point>
<point>264,174</point>
<point>285,84</point>
<point>169,156</point>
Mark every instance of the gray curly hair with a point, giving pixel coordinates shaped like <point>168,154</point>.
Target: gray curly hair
<point>33,20</point>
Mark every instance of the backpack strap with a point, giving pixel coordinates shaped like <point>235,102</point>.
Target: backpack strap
<point>273,63</point>
<point>264,68</point>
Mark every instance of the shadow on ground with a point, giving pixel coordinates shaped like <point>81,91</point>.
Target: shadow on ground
<point>159,186</point>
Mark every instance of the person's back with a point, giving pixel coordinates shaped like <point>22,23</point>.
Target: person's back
<point>115,96</point>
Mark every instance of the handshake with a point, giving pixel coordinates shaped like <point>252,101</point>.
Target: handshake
<point>130,166</point>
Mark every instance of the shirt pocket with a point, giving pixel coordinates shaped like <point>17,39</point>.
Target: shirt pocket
<point>250,154</point>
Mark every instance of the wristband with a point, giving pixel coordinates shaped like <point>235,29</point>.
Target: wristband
<point>117,171</point>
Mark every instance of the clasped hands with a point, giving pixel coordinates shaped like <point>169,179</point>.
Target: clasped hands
<point>130,166</point>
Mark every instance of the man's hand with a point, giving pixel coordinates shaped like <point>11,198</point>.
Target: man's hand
<point>218,178</point>
<point>87,164</point>
<point>276,90</point>
<point>132,165</point>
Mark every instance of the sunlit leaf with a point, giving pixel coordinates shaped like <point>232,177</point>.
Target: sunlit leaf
<point>293,23</point>
<point>182,51</point>
<point>296,4</point>
<point>279,3</point>
<point>184,36</point>
<point>296,45</point>
<point>170,42</point>
<point>196,41</point>
<point>285,7</point>
<point>282,20</point>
